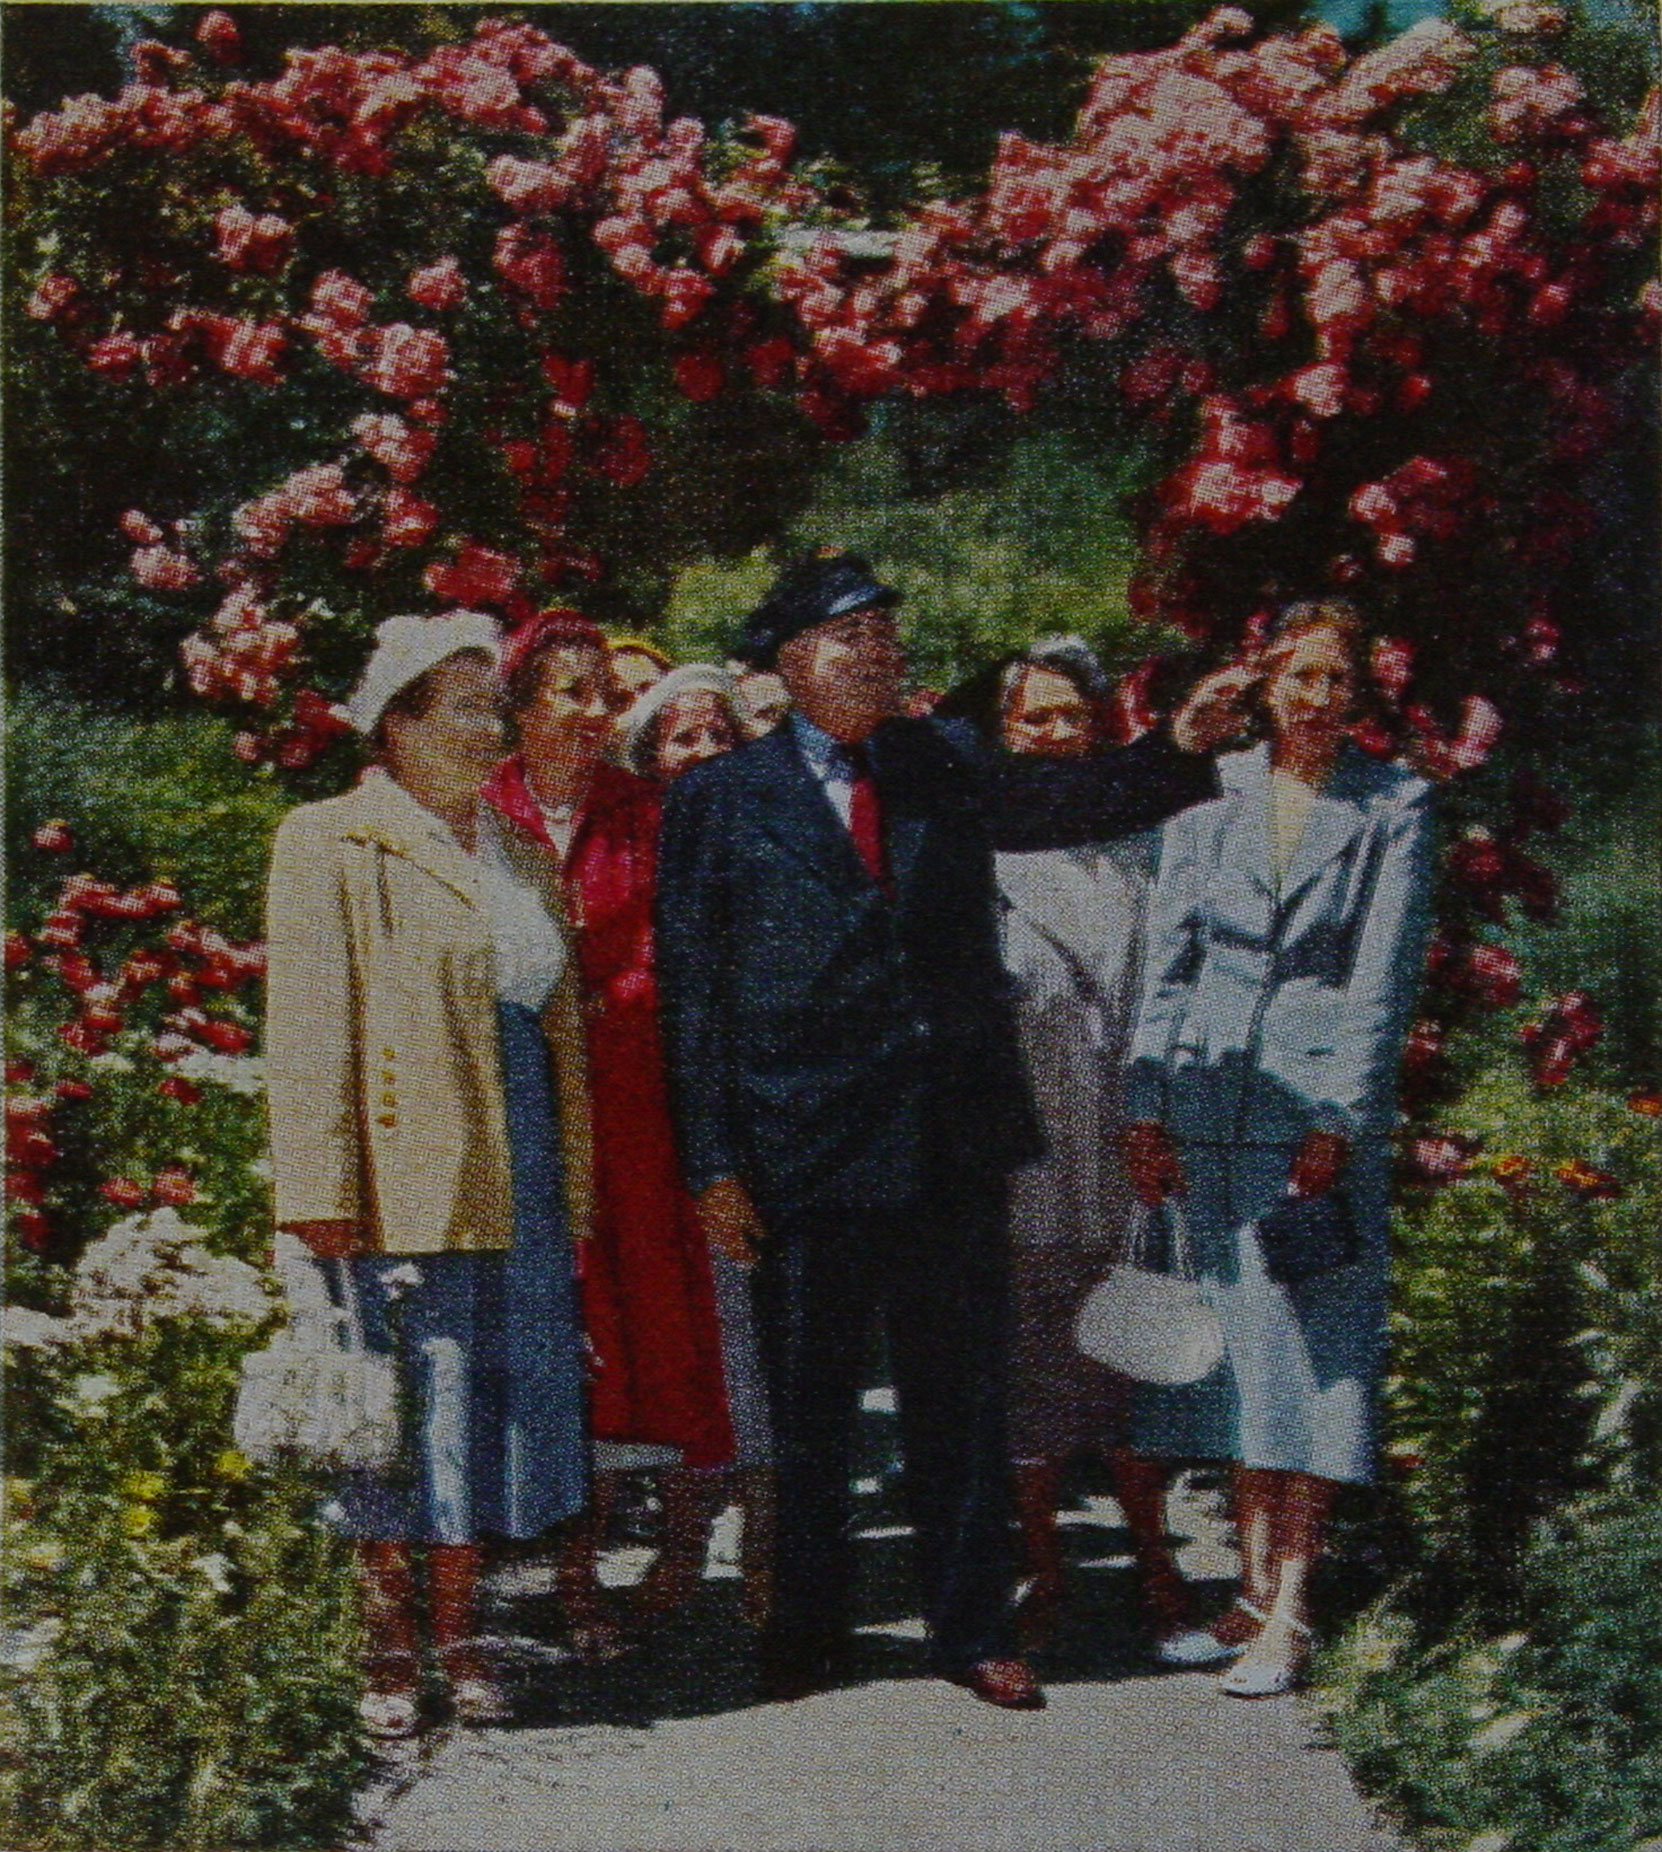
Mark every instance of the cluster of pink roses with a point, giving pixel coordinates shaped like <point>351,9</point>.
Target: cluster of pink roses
<point>1380,247</point>
<point>119,969</point>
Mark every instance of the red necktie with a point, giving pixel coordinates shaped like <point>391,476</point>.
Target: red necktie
<point>865,818</point>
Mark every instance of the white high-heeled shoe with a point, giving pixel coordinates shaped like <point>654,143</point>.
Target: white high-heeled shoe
<point>1256,1675</point>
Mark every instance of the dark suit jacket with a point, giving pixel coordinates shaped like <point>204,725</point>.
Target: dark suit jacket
<point>835,1049</point>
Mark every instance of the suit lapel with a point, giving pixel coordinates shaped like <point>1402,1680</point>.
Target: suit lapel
<point>1330,828</point>
<point>904,822</point>
<point>798,817</point>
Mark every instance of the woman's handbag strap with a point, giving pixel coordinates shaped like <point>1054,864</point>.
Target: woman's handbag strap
<point>1181,1262</point>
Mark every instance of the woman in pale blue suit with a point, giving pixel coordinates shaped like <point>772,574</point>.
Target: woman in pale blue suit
<point>1285,944</point>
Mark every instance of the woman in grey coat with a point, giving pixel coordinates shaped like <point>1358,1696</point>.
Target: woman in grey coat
<point>1286,935</point>
<point>1072,937</point>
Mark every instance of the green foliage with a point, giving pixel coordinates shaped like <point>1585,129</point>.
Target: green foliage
<point>1505,1694</point>
<point>1521,1307</point>
<point>143,799</point>
<point>1545,1739</point>
<point>990,549</point>
<point>199,1688</point>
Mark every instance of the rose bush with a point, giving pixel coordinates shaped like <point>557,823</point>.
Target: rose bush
<point>473,322</point>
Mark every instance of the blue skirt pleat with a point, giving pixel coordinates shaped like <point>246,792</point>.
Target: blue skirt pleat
<point>491,1351</point>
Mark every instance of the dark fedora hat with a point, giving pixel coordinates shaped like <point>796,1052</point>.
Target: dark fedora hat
<point>811,591</point>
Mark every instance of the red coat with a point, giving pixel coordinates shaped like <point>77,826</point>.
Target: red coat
<point>648,1304</point>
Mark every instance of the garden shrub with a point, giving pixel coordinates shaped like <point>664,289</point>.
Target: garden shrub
<point>191,1627</point>
<point>1547,1738</point>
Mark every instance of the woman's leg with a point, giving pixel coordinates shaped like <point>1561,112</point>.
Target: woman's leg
<point>677,1574</point>
<point>1299,1532</point>
<point>1298,1522</point>
<point>1038,1484</point>
<point>1140,1486</point>
<point>388,1598</point>
<point>595,1635</point>
<point>1257,1499</point>
<point>452,1593</point>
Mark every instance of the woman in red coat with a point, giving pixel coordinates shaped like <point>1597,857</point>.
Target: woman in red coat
<point>589,831</point>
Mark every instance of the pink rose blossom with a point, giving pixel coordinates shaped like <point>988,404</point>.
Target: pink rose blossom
<point>115,355</point>
<point>160,569</point>
<point>248,241</point>
<point>439,286</point>
<point>217,34</point>
<point>252,351</point>
<point>527,186</point>
<point>408,520</point>
<point>140,529</point>
<point>477,575</point>
<point>319,497</point>
<point>406,362</point>
<point>53,295</point>
<point>402,450</point>
<point>530,263</point>
<point>341,299</point>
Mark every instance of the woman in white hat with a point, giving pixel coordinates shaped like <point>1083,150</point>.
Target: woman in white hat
<point>416,1138</point>
<point>695,713</point>
<point>691,714</point>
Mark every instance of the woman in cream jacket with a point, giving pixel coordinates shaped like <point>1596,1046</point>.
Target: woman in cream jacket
<point>415,998</point>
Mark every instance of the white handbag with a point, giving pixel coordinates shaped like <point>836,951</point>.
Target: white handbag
<point>318,1393</point>
<point>1158,1327</point>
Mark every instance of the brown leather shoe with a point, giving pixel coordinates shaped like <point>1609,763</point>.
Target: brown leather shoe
<point>1011,1684</point>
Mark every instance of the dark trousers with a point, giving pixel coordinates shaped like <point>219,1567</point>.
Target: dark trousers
<point>940,1282</point>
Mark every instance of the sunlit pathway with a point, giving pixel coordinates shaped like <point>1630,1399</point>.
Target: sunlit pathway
<point>668,1751</point>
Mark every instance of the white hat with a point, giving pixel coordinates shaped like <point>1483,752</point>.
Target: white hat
<point>635,742</point>
<point>406,648</point>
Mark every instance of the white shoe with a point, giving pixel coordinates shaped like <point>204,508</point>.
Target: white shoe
<point>1256,1675</point>
<point>1193,1647</point>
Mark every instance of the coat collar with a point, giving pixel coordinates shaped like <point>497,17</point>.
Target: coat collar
<point>389,817</point>
<point>1336,818</point>
<point>508,792</point>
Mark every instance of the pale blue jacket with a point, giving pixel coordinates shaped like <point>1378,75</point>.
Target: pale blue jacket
<point>1269,1010</point>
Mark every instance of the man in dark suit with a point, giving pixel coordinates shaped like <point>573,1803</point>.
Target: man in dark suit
<point>849,1092</point>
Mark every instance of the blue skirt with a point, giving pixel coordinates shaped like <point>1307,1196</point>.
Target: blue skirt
<point>490,1346</point>
<point>1298,1388</point>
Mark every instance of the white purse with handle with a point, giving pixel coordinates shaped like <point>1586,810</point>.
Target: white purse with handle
<point>1154,1325</point>
<point>317,1392</point>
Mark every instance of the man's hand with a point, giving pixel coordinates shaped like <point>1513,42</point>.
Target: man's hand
<point>1151,1162</point>
<point>729,1220</point>
<point>1319,1163</point>
<point>329,1240</point>
<point>1214,711</point>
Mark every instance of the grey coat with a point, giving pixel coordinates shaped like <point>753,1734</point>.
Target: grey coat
<point>1270,1008</point>
<point>1073,928</point>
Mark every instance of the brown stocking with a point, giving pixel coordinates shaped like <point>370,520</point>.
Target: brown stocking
<point>388,1599</point>
<point>1298,1530</point>
<point>453,1580</point>
<point>678,1572</point>
<point>1140,1487</point>
<point>1038,1485</point>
